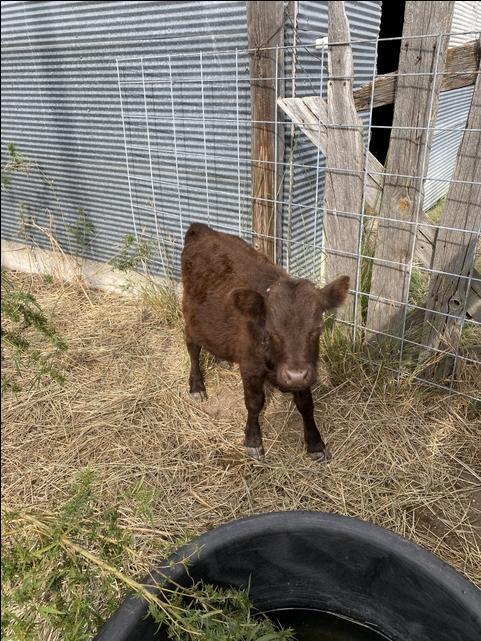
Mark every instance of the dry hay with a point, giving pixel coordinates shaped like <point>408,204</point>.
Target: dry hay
<point>406,459</point>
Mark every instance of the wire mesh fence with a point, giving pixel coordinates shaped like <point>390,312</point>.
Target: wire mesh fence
<point>190,156</point>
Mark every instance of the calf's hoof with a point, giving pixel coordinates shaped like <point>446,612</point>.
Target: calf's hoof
<point>199,397</point>
<point>256,453</point>
<point>321,456</point>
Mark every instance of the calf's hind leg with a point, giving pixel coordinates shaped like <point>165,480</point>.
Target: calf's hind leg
<point>196,380</point>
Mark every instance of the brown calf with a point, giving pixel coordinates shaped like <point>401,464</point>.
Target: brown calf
<point>243,308</point>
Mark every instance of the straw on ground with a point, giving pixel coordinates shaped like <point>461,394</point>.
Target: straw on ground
<point>404,458</point>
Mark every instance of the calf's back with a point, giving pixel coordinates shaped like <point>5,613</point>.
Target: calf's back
<point>213,265</point>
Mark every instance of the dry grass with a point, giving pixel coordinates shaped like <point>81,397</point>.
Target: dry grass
<point>404,458</point>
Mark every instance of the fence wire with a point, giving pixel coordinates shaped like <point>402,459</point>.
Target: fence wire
<point>187,124</point>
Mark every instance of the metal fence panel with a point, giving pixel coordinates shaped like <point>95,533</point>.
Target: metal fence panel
<point>60,107</point>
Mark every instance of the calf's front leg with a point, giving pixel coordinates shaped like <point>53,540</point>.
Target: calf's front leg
<point>316,447</point>
<point>254,399</point>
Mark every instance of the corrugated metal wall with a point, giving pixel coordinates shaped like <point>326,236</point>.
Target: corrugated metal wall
<point>60,106</point>
<point>452,111</point>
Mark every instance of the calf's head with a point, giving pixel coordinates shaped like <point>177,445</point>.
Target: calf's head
<point>290,320</point>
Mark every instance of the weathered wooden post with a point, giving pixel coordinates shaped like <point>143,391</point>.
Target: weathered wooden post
<point>460,70</point>
<point>421,64</point>
<point>345,157</point>
<point>265,25</point>
<point>454,251</point>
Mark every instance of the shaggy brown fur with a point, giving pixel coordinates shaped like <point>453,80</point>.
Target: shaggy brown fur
<point>243,308</point>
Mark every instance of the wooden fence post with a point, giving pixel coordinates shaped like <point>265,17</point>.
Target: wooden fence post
<point>343,190</point>
<point>454,251</point>
<point>265,26</point>
<point>415,107</point>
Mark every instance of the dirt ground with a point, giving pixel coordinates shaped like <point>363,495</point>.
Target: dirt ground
<point>405,458</point>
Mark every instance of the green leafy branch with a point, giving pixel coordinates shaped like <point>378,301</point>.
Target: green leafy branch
<point>20,312</point>
<point>15,163</point>
<point>64,572</point>
<point>81,230</point>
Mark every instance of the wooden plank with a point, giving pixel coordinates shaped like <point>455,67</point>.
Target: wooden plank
<point>299,112</point>
<point>265,27</point>
<point>416,106</point>
<point>310,115</point>
<point>292,16</point>
<point>343,189</point>
<point>460,71</point>
<point>454,251</point>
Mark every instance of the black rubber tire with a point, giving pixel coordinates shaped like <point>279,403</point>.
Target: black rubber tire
<point>326,562</point>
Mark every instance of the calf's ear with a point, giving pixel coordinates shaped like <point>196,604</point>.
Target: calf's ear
<point>334,294</point>
<point>248,302</point>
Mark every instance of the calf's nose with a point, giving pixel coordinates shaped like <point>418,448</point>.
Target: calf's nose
<point>295,377</point>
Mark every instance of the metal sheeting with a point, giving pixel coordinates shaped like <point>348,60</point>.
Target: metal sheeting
<point>60,106</point>
<point>305,216</point>
<point>452,111</point>
<point>452,115</point>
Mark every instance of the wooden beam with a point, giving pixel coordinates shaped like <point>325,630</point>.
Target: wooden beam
<point>343,191</point>
<point>415,107</point>
<point>454,251</point>
<point>265,27</point>
<point>310,115</point>
<point>460,70</point>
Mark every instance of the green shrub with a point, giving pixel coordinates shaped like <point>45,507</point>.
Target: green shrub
<point>65,571</point>
<point>21,313</point>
